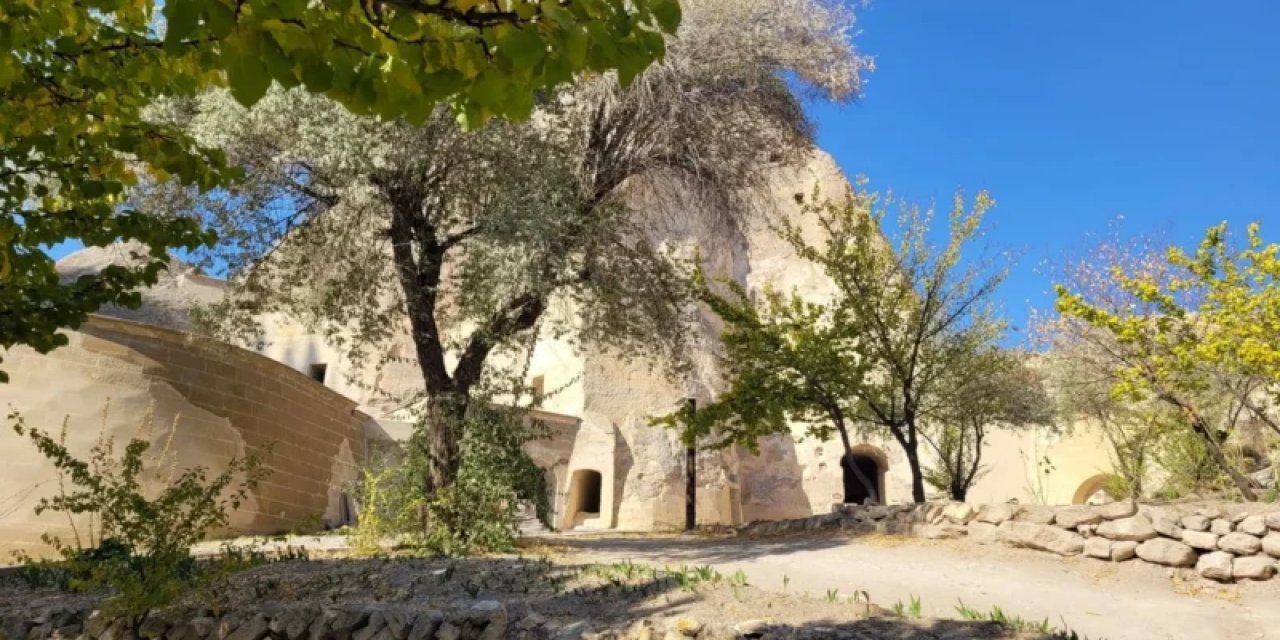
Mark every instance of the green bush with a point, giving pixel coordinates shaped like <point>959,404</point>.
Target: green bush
<point>131,540</point>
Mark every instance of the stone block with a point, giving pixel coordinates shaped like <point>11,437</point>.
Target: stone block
<point>1273,521</point>
<point>1042,537</point>
<point>1097,548</point>
<point>1037,515</point>
<point>1195,523</point>
<point>983,532</point>
<point>1134,529</point>
<point>1254,568</point>
<point>944,531</point>
<point>1169,553</point>
<point>1221,526</point>
<point>959,513</point>
<point>1123,551</point>
<point>1241,544</point>
<point>1271,544</point>
<point>1074,516</point>
<point>997,513</point>
<point>1117,510</point>
<point>1204,540</point>
<point>1253,525</point>
<point>1215,566</point>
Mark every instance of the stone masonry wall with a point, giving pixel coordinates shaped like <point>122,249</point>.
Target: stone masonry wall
<point>1220,542</point>
<point>209,402</point>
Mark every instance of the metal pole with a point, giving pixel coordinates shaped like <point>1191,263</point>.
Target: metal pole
<point>691,477</point>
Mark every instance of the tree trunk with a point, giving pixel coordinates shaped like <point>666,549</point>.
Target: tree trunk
<point>917,475</point>
<point>1202,429</point>
<point>443,434</point>
<point>846,461</point>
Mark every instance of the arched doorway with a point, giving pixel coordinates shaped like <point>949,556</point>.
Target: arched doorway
<point>584,496</point>
<point>1093,491</point>
<point>869,463</point>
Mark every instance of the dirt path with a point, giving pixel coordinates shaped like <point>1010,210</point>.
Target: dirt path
<point>1117,602</point>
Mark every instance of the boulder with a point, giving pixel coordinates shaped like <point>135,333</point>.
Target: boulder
<point>983,532</point>
<point>1273,521</point>
<point>1253,525</point>
<point>1166,524</point>
<point>959,513</point>
<point>1097,548</point>
<point>1037,515</point>
<point>1195,523</point>
<point>944,531</point>
<point>1169,553</point>
<point>1200,540</point>
<point>1271,545</point>
<point>1135,529</point>
<point>1241,544</point>
<point>1087,530</point>
<point>1122,551</point>
<point>1212,513</point>
<point>1117,510</point>
<point>998,513</point>
<point>1042,537</point>
<point>1074,516</point>
<point>1221,526</point>
<point>1254,568</point>
<point>1215,566</point>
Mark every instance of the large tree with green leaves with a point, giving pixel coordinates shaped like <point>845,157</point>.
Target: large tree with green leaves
<point>367,227</point>
<point>76,76</point>
<point>1185,334</point>
<point>893,351</point>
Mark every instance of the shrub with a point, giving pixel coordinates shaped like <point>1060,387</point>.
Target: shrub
<point>136,542</point>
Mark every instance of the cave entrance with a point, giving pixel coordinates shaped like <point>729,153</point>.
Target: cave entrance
<point>855,490</point>
<point>584,495</point>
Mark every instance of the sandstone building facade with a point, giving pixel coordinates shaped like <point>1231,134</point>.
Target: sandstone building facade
<point>609,468</point>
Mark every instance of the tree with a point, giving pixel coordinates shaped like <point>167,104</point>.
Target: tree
<point>786,361</point>
<point>918,310</point>
<point>366,227</point>
<point>1178,331</point>
<point>75,78</point>
<point>989,389</point>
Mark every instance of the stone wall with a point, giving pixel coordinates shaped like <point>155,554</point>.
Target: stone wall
<point>1220,542</point>
<point>208,402</point>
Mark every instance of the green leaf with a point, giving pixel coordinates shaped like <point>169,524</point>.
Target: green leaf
<point>182,17</point>
<point>667,13</point>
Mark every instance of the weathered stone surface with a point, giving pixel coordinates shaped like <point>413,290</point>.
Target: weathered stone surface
<point>1221,526</point>
<point>1098,548</point>
<point>1087,530</point>
<point>1271,544</point>
<point>1135,529</point>
<point>687,627</point>
<point>203,626</point>
<point>983,533</point>
<point>1241,544</point>
<point>426,625</point>
<point>1074,516</point>
<point>1215,566</point>
<point>1195,523</point>
<point>1037,515</point>
<point>449,631</point>
<point>959,513</point>
<point>153,627</point>
<point>1042,537</point>
<point>998,513</point>
<point>255,628</point>
<point>1253,525</point>
<point>1200,540</point>
<point>944,531</point>
<point>1166,524</point>
<point>1169,553</point>
<point>752,628</point>
<point>1254,568</point>
<point>1273,521</point>
<point>1123,551</point>
<point>1117,510</point>
<point>571,631</point>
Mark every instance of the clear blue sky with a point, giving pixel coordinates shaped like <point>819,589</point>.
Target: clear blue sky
<point>1071,113</point>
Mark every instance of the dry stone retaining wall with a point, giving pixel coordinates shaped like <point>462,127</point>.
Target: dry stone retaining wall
<point>1219,543</point>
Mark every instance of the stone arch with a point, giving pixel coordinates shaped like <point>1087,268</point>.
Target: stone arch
<point>1091,487</point>
<point>874,465</point>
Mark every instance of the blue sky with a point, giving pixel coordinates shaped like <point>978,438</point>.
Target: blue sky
<point>1071,114</point>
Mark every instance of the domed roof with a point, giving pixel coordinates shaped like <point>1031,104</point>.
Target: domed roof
<point>167,304</point>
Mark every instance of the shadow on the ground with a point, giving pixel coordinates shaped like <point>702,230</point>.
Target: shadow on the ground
<point>704,550</point>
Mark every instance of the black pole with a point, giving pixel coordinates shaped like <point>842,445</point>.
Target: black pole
<point>691,476</point>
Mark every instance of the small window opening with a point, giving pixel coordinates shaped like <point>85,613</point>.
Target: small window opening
<point>318,372</point>
<point>539,386</point>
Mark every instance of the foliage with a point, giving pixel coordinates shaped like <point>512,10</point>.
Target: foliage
<point>983,390</point>
<point>390,505</point>
<point>470,245</point>
<point>1181,339</point>
<point>896,346</point>
<point>137,540</point>
<point>75,78</point>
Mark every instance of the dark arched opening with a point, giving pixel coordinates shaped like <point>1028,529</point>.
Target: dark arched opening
<point>858,490</point>
<point>584,494</point>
